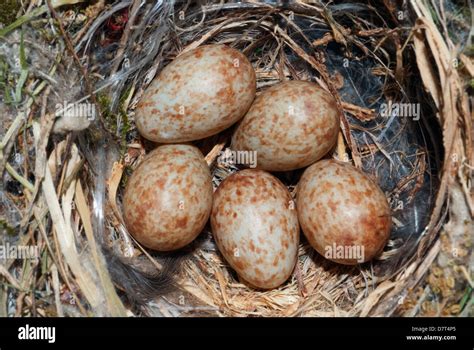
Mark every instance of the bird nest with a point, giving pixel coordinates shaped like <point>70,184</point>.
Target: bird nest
<point>400,75</point>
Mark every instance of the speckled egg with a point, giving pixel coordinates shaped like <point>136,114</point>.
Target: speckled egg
<point>290,125</point>
<point>255,226</point>
<point>344,214</point>
<point>168,198</point>
<point>199,94</point>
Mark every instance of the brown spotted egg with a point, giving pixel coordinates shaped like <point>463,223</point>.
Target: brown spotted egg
<point>199,94</point>
<point>168,198</point>
<point>255,226</point>
<point>290,125</point>
<point>344,214</point>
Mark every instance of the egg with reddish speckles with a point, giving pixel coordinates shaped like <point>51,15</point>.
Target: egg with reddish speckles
<point>199,94</point>
<point>168,198</point>
<point>256,228</point>
<point>344,214</point>
<point>290,125</point>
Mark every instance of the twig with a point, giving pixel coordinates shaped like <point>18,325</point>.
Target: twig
<point>19,178</point>
<point>97,7</point>
<point>57,299</point>
<point>10,279</point>
<point>126,34</point>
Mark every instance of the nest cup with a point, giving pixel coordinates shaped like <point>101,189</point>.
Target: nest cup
<point>389,129</point>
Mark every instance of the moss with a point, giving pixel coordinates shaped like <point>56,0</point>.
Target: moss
<point>125,176</point>
<point>3,74</point>
<point>7,83</point>
<point>107,115</point>
<point>4,227</point>
<point>8,11</point>
<point>469,51</point>
<point>110,118</point>
<point>126,126</point>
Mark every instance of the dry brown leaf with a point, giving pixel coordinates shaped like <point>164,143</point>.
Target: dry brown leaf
<point>113,183</point>
<point>214,153</point>
<point>428,75</point>
<point>448,98</point>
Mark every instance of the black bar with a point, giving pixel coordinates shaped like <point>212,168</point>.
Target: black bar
<point>369,332</point>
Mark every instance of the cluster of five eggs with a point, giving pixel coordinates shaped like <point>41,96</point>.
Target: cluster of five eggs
<point>169,197</point>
